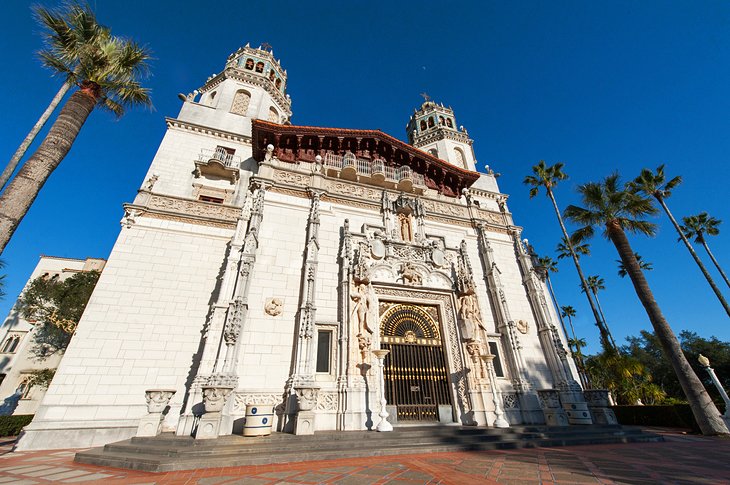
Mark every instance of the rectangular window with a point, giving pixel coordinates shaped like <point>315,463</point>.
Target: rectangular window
<point>208,198</point>
<point>494,350</point>
<point>324,350</point>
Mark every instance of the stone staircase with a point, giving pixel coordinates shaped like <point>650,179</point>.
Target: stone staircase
<point>168,452</point>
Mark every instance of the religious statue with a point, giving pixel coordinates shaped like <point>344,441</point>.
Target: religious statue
<point>406,229</point>
<point>363,302</point>
<point>469,311</point>
<point>410,275</point>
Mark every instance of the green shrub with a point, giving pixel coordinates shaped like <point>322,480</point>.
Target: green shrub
<point>672,416</point>
<point>11,425</point>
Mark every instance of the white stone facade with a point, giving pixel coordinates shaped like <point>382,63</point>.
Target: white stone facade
<point>18,354</point>
<point>243,249</point>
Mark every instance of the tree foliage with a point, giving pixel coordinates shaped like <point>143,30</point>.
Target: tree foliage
<point>626,377</point>
<point>55,307</point>
<point>646,349</point>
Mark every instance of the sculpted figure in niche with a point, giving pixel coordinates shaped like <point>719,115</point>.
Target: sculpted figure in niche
<point>410,275</point>
<point>363,302</point>
<point>406,229</point>
<point>469,312</point>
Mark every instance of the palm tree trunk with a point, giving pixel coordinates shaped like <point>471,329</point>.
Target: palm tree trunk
<point>603,317</point>
<point>24,188</point>
<point>694,255</point>
<point>717,265</point>
<point>557,311</point>
<point>705,412</point>
<point>18,155</point>
<point>604,334</point>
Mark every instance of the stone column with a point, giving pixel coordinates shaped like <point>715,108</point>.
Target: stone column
<point>302,376</point>
<point>214,400</point>
<point>343,296</point>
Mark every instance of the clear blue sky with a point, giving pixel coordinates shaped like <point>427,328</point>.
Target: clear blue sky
<point>601,86</point>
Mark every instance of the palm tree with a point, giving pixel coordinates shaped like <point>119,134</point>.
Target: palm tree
<point>577,344</point>
<point>551,266</point>
<point>699,225</point>
<point>596,283</point>
<point>82,33</point>
<point>657,186</point>
<point>563,249</point>
<point>617,209</point>
<point>547,178</point>
<point>644,265</point>
<point>108,76</point>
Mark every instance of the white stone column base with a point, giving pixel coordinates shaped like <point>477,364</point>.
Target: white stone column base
<point>150,425</point>
<point>208,426</point>
<point>304,423</point>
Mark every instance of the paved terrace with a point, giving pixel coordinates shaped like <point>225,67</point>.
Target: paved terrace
<point>680,459</point>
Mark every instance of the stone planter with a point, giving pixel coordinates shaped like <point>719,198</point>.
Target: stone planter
<point>158,399</point>
<point>214,398</point>
<point>596,398</point>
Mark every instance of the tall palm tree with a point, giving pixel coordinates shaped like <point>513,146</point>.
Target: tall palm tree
<point>697,227</point>
<point>596,283</point>
<point>563,249</point>
<point>644,265</point>
<point>617,209</point>
<point>549,265</point>
<point>81,32</point>
<point>656,185</point>
<point>109,76</point>
<point>547,177</point>
<point>577,344</point>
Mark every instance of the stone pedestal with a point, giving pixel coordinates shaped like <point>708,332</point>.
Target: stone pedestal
<point>157,401</point>
<point>551,408</point>
<point>598,404</point>
<point>575,407</point>
<point>306,402</point>
<point>214,399</point>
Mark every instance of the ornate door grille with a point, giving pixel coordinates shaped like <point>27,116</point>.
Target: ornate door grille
<point>416,374</point>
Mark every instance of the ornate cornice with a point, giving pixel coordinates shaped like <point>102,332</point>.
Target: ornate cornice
<point>167,207</point>
<point>207,130</point>
<point>437,135</point>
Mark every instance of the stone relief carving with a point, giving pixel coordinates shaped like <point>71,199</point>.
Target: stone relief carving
<point>242,399</point>
<point>410,275</point>
<point>327,401</point>
<point>522,326</point>
<point>470,314</point>
<point>194,208</point>
<point>362,306</point>
<point>274,306</point>
<point>291,178</point>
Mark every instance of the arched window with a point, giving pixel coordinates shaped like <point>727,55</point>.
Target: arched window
<point>240,102</point>
<point>278,83</point>
<point>249,64</point>
<point>442,121</point>
<point>11,343</point>
<point>211,98</point>
<point>460,158</point>
<point>423,125</point>
<point>259,66</point>
<point>449,123</point>
<point>272,75</point>
<point>273,115</point>
<point>430,122</point>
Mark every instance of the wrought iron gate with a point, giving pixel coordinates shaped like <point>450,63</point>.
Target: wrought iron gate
<point>416,373</point>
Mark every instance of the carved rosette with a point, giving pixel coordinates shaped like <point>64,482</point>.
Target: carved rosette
<point>158,399</point>
<point>306,397</point>
<point>214,397</point>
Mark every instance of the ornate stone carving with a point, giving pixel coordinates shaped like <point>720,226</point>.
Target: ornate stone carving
<point>158,399</point>
<point>193,208</point>
<point>362,307</point>
<point>214,398</point>
<point>306,397</point>
<point>522,326</point>
<point>326,401</point>
<point>470,314</point>
<point>410,275</point>
<point>274,306</point>
<point>549,399</point>
<point>511,401</point>
<point>232,328</point>
<point>242,399</point>
<point>291,178</point>
<point>351,189</point>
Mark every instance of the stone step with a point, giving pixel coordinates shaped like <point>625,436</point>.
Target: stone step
<point>167,453</point>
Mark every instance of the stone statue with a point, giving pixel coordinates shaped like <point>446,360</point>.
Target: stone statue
<point>363,302</point>
<point>469,311</point>
<point>410,275</point>
<point>406,230</point>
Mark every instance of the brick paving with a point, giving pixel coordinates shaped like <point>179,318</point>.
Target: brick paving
<point>681,459</point>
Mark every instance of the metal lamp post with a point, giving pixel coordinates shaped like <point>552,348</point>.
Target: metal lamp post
<point>705,362</point>
<point>499,421</point>
<point>383,425</point>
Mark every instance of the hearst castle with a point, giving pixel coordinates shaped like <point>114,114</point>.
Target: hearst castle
<point>263,263</point>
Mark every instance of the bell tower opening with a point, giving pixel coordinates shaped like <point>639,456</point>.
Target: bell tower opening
<point>416,372</point>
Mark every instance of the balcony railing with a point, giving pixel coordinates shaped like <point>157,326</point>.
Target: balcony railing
<point>221,156</point>
<point>368,168</point>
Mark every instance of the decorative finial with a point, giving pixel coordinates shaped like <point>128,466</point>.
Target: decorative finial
<point>266,47</point>
<point>704,361</point>
<point>426,97</point>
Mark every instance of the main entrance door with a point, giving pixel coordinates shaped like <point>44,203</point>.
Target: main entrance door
<point>416,374</point>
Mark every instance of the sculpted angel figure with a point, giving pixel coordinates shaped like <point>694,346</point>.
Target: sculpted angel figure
<point>469,311</point>
<point>363,302</point>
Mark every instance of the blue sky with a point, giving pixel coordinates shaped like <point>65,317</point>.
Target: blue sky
<point>601,86</point>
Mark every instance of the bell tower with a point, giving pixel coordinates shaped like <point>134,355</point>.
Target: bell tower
<point>252,84</point>
<point>432,128</point>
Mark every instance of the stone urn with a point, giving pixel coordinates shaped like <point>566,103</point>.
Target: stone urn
<point>597,398</point>
<point>158,399</point>
<point>306,397</point>
<point>214,397</point>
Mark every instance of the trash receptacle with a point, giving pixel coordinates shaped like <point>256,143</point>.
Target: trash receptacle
<point>259,418</point>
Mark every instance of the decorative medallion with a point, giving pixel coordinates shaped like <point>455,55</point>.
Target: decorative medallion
<point>438,258</point>
<point>274,306</point>
<point>377,249</point>
<point>522,326</point>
